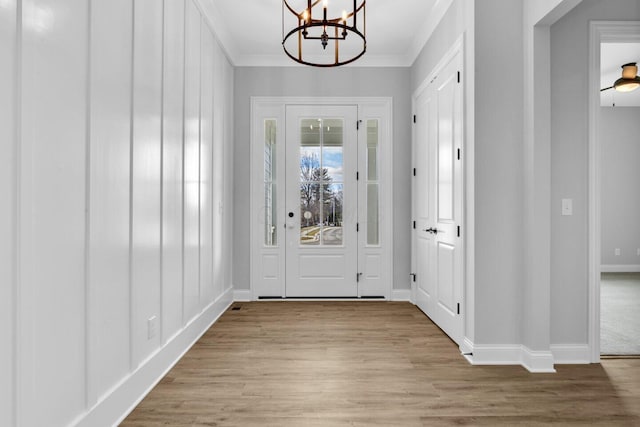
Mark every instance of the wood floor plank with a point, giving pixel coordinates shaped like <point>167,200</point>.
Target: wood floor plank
<point>369,364</point>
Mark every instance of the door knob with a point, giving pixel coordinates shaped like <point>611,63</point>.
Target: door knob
<point>431,230</point>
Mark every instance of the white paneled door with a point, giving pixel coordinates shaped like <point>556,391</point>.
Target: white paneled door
<point>438,262</point>
<point>321,198</point>
<point>321,213</point>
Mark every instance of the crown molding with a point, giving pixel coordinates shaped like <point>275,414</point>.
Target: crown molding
<point>429,26</point>
<point>281,60</point>
<point>219,28</point>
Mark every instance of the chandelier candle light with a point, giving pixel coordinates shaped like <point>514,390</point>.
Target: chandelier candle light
<point>309,37</point>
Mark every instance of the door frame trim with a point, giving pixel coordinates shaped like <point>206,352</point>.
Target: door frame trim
<point>599,32</point>
<point>279,103</point>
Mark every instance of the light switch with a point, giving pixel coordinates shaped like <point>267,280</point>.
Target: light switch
<point>567,206</point>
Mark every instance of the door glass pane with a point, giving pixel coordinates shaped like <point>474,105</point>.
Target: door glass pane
<point>270,214</point>
<point>372,214</point>
<point>445,154</point>
<point>332,214</point>
<point>372,150</point>
<point>310,213</point>
<point>373,186</point>
<point>321,181</point>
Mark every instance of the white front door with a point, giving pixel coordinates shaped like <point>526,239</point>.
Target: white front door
<point>321,213</point>
<point>438,199</point>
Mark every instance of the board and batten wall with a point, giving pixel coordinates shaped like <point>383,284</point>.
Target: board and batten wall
<point>620,198</point>
<point>115,160</point>
<point>8,271</point>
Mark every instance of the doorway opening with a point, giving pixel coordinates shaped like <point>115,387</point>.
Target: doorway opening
<point>605,243</point>
<point>620,205</point>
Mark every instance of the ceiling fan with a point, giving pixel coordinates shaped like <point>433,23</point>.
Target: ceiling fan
<point>629,81</point>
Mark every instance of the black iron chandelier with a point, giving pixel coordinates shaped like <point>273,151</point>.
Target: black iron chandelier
<point>312,31</point>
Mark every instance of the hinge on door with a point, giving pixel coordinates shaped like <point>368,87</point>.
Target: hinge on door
<point>414,118</point>
<point>357,226</point>
<point>414,171</point>
<point>413,275</point>
<point>458,231</point>
<point>357,176</point>
<point>414,225</point>
<point>458,308</point>
<point>358,124</point>
<point>458,76</point>
<point>458,154</point>
<point>358,277</point>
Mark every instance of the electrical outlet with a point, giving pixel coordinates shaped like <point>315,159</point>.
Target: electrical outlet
<point>616,251</point>
<point>152,327</point>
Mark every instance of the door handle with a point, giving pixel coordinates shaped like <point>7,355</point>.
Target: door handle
<point>432,230</point>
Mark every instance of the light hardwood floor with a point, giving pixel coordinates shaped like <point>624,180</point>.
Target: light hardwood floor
<point>370,364</point>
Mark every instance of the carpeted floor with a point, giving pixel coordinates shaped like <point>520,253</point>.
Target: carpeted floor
<point>620,314</point>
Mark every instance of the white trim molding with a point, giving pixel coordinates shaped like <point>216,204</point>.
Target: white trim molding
<point>125,396</point>
<point>621,268</point>
<point>538,362</point>
<point>599,32</point>
<point>570,354</point>
<point>509,354</point>
<point>274,108</point>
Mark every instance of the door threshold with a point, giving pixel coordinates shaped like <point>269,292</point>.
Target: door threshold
<point>367,298</point>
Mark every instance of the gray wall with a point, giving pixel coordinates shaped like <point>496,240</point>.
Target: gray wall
<point>498,171</point>
<point>569,162</point>
<point>620,142</point>
<point>307,81</point>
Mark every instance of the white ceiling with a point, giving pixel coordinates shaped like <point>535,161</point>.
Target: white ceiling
<point>251,32</point>
<point>612,57</point>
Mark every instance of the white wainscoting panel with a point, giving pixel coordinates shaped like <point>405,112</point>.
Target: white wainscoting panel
<point>7,209</point>
<point>207,260</point>
<point>146,179</point>
<point>109,179</point>
<point>52,201</point>
<point>191,162</point>
<point>172,168</point>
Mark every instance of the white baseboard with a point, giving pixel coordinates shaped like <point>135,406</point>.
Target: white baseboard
<point>622,268</point>
<point>114,407</point>
<point>396,295</point>
<point>509,354</point>
<point>401,295</point>
<point>242,295</point>
<point>571,353</point>
<point>538,362</point>
<point>494,354</point>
